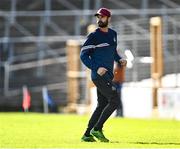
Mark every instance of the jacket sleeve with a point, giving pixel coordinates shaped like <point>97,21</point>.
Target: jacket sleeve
<point>117,57</point>
<point>86,50</point>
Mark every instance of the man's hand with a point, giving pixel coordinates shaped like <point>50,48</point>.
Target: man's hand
<point>101,71</point>
<point>123,62</point>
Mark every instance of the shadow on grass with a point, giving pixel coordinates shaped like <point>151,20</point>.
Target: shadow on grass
<point>147,143</point>
<point>156,143</point>
<point>115,142</point>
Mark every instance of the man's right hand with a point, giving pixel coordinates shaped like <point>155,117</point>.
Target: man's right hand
<point>101,71</point>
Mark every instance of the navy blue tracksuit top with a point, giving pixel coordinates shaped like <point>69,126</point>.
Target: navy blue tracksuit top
<point>99,50</point>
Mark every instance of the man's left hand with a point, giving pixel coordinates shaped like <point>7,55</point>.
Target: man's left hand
<point>123,62</point>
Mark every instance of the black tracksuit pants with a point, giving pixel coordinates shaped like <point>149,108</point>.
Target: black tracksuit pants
<point>108,101</point>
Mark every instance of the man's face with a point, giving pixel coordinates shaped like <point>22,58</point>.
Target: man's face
<point>102,21</point>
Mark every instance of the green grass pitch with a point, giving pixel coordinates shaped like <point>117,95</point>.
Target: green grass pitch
<point>35,130</point>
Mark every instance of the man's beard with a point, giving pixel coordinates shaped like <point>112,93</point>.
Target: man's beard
<point>103,24</point>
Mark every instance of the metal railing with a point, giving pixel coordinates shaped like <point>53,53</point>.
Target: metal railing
<point>133,34</point>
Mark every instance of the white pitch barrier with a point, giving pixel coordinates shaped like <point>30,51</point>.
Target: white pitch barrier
<point>169,103</point>
<point>137,102</point>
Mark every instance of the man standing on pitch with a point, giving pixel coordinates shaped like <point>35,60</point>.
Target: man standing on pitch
<point>98,53</point>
